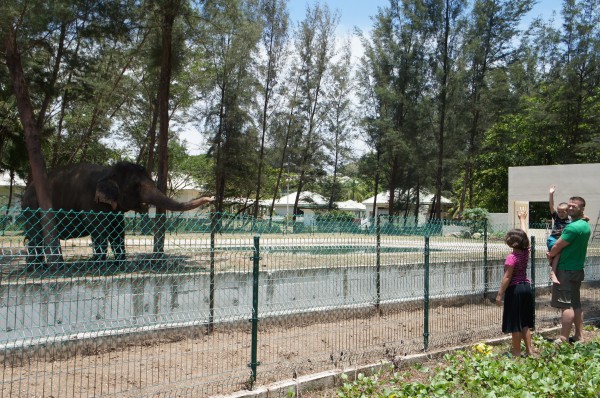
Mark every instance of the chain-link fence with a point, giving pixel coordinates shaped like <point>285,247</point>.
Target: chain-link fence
<point>180,306</point>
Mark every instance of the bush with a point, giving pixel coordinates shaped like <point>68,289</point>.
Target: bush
<point>476,218</point>
<point>476,214</point>
<point>335,215</point>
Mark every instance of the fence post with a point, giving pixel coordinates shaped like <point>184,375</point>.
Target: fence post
<point>378,264</point>
<point>532,245</point>
<point>426,295</point>
<point>254,349</point>
<point>486,268</point>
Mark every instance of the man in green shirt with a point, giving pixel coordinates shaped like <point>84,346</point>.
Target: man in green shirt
<point>572,246</point>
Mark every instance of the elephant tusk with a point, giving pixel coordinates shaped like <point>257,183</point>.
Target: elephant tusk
<point>113,203</point>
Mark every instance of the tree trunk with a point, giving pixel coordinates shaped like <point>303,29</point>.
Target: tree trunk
<point>54,77</point>
<point>151,138</point>
<point>284,151</point>
<point>437,209</point>
<point>33,143</point>
<point>170,10</point>
<point>265,113</point>
<point>27,117</point>
<point>376,188</point>
<point>10,190</point>
<point>417,201</point>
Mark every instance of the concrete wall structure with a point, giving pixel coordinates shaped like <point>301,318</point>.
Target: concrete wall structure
<point>64,309</point>
<point>531,183</point>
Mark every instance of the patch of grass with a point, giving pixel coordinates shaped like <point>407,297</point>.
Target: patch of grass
<point>485,371</point>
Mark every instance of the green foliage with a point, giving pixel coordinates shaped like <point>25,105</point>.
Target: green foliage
<point>563,370</point>
<point>552,122</point>
<point>476,214</point>
<point>92,71</point>
<point>336,215</point>
<point>477,219</point>
<point>229,45</point>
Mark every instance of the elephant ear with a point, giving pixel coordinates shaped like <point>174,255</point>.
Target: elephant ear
<point>107,191</point>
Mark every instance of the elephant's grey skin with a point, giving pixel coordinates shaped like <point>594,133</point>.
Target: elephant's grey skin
<point>108,191</point>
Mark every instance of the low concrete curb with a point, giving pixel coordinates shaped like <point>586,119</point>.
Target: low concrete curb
<point>332,378</point>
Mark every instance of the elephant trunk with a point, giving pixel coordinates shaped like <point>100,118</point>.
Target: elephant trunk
<point>152,195</point>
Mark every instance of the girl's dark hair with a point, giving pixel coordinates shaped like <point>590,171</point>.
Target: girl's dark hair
<point>517,239</point>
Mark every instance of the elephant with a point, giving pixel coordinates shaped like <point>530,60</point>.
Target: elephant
<point>90,200</point>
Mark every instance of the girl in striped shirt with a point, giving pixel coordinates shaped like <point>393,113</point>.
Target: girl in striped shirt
<point>515,289</point>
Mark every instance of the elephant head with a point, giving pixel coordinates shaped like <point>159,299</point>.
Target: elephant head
<point>128,186</point>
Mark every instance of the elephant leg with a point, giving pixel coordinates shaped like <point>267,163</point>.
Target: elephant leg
<point>33,232</point>
<point>53,231</point>
<point>117,244</point>
<point>100,245</point>
<point>115,230</point>
<point>43,250</point>
<point>35,253</point>
<point>116,236</point>
<point>96,226</point>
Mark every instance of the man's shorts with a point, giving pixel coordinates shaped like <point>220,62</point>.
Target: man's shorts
<point>567,293</point>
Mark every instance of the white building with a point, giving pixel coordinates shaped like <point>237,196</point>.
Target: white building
<point>359,209</point>
<point>6,196</point>
<point>425,203</point>
<point>310,203</point>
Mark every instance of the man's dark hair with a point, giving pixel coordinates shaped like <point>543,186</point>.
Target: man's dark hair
<point>579,199</point>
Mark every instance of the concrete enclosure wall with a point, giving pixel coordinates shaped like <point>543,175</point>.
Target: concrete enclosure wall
<point>78,308</point>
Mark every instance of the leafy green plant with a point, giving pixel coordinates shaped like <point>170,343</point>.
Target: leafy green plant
<point>475,214</point>
<point>476,218</point>
<point>485,371</point>
<point>335,215</point>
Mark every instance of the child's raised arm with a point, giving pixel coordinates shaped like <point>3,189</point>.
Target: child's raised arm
<point>551,198</point>
<point>522,214</point>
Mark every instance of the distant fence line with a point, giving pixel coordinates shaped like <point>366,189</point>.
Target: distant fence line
<point>225,309</point>
<point>13,220</point>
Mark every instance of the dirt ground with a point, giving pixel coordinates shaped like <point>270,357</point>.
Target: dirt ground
<point>196,363</point>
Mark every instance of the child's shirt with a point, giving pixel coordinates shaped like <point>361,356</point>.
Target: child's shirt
<point>558,225</point>
<point>518,260</point>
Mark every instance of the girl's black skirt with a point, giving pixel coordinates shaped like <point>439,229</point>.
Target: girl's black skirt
<point>518,308</point>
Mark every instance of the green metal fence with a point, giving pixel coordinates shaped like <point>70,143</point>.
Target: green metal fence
<point>211,304</point>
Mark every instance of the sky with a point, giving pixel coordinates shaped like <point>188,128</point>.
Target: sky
<point>359,12</point>
<point>353,12</point>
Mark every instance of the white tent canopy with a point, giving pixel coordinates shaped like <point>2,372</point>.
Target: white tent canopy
<point>425,202</point>
<point>310,201</point>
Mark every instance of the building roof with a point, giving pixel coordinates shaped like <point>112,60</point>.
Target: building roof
<point>351,205</point>
<point>425,197</point>
<point>307,199</point>
<point>314,200</point>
